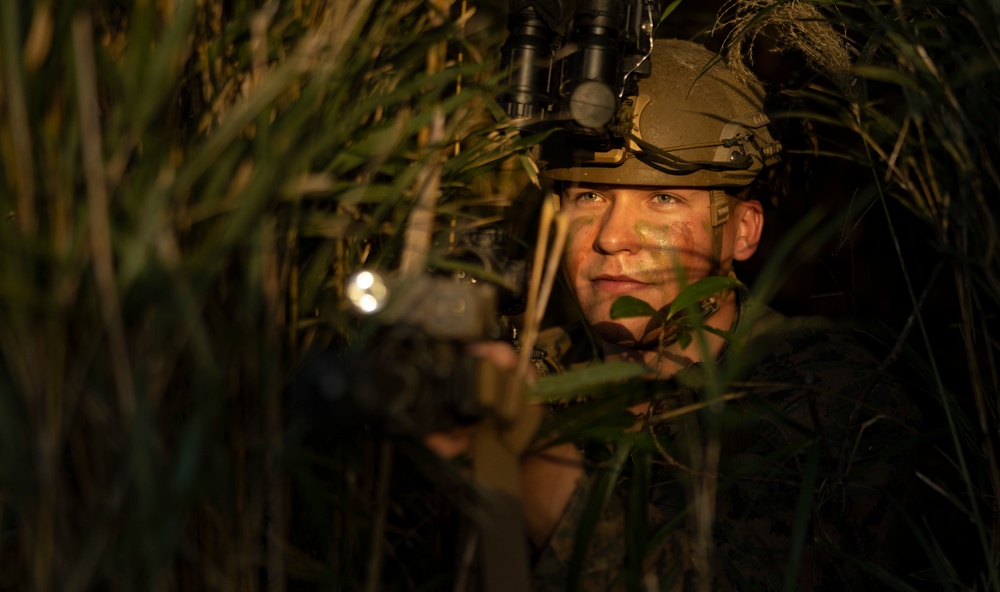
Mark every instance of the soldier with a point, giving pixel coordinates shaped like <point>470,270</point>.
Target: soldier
<point>800,477</point>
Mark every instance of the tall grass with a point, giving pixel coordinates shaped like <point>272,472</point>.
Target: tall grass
<point>930,149</point>
<point>186,184</point>
<point>919,116</point>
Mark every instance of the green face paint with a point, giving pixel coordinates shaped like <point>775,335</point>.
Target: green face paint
<point>655,236</point>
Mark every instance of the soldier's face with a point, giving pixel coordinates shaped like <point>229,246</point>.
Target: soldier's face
<point>646,242</point>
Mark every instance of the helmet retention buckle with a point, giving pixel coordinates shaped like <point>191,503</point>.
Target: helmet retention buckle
<point>720,210</point>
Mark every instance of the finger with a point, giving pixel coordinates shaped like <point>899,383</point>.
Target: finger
<point>450,444</point>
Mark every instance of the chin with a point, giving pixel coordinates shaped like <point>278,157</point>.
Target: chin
<point>627,334</point>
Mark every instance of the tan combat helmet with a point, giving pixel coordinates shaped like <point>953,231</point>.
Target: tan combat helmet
<point>693,124</point>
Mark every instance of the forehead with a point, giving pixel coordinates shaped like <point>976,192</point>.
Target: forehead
<point>573,187</point>
<point>611,187</point>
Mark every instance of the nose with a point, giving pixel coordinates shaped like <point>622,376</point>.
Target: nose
<point>617,233</point>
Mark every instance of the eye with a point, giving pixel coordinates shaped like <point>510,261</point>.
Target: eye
<point>665,198</point>
<point>587,197</point>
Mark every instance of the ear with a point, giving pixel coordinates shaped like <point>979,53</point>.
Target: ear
<point>749,223</point>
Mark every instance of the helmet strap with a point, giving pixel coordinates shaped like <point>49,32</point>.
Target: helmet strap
<point>720,215</point>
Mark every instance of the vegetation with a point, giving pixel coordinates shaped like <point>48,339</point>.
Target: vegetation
<point>187,185</point>
<point>915,120</point>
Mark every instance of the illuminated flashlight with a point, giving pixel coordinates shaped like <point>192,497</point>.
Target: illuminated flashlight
<point>367,292</point>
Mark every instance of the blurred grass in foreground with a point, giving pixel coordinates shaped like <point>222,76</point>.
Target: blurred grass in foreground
<point>186,184</point>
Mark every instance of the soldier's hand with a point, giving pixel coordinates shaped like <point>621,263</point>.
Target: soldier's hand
<point>458,441</point>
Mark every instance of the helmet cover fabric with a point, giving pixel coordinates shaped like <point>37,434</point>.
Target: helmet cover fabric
<point>692,107</point>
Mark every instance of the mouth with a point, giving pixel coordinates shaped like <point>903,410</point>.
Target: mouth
<point>617,284</point>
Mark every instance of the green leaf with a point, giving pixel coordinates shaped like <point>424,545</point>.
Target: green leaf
<point>576,381</point>
<point>698,291</point>
<point>727,335</point>
<point>803,510</point>
<point>629,306</point>
<point>667,12</point>
<point>887,75</point>
<point>683,338</point>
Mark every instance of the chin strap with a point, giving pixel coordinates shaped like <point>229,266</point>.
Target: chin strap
<point>720,215</point>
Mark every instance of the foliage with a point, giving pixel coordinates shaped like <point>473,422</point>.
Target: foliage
<point>929,148</point>
<point>187,184</point>
<point>917,112</point>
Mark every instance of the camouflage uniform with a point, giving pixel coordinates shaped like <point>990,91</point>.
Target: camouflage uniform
<point>817,420</point>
